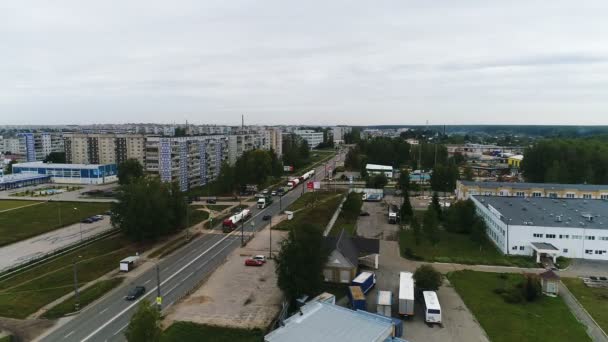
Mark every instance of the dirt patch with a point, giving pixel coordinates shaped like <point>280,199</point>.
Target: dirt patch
<point>25,330</point>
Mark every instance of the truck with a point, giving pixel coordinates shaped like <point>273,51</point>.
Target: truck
<point>393,214</point>
<point>385,299</point>
<point>406,294</point>
<point>357,298</point>
<point>293,183</point>
<point>264,202</point>
<point>230,223</point>
<point>129,263</point>
<point>366,280</point>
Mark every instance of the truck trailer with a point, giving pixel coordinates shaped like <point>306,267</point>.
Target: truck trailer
<point>230,223</point>
<point>406,294</point>
<point>264,202</point>
<point>385,299</point>
<point>393,214</point>
<point>366,280</point>
<point>357,298</point>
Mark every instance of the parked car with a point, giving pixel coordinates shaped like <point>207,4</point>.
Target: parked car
<point>98,217</point>
<point>87,220</point>
<point>136,292</point>
<point>265,192</point>
<point>274,193</point>
<point>364,213</point>
<point>109,213</point>
<point>95,218</point>
<point>211,200</point>
<point>259,257</point>
<point>266,217</point>
<point>253,262</point>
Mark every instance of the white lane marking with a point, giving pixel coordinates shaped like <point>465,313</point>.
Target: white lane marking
<point>147,281</point>
<point>68,335</point>
<point>104,310</point>
<point>171,289</point>
<point>154,289</point>
<point>188,276</point>
<point>119,330</point>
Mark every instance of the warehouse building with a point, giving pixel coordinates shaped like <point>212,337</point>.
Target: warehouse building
<point>374,169</point>
<point>70,173</point>
<point>546,227</point>
<point>464,189</point>
<point>19,180</point>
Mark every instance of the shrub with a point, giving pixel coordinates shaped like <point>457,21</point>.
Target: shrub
<point>499,291</point>
<point>512,296</point>
<point>531,288</point>
<point>427,278</point>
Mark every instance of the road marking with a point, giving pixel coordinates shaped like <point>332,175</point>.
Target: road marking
<point>119,330</point>
<point>147,281</point>
<point>154,289</point>
<point>68,335</point>
<point>104,310</point>
<point>188,276</point>
<point>171,289</point>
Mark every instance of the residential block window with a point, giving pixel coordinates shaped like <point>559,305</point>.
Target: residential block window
<point>600,252</point>
<point>587,196</point>
<point>604,197</point>
<point>589,237</point>
<point>550,236</point>
<point>536,194</point>
<point>521,248</point>
<point>520,194</point>
<point>577,237</point>
<point>569,195</point>
<point>564,236</point>
<point>553,195</point>
<point>538,235</point>
<point>588,251</point>
<point>603,238</point>
<point>565,250</point>
<point>514,248</point>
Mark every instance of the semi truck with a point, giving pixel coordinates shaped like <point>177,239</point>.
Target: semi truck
<point>264,202</point>
<point>406,294</point>
<point>293,183</point>
<point>357,298</point>
<point>365,280</point>
<point>230,223</point>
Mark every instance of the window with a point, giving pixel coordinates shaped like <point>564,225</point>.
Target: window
<point>577,237</point>
<point>589,237</point>
<point>536,194</point>
<point>565,250</point>
<point>587,196</point>
<point>550,236</point>
<point>520,194</point>
<point>600,252</point>
<point>603,238</point>
<point>514,248</point>
<point>588,251</point>
<point>564,236</point>
<point>538,235</point>
<point>569,195</point>
<point>604,197</point>
<point>553,195</point>
<point>521,248</point>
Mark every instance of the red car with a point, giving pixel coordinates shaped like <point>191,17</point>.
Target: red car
<point>253,262</point>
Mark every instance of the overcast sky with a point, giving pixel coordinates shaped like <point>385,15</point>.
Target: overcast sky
<point>304,62</point>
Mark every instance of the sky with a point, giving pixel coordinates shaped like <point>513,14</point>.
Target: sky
<point>304,62</point>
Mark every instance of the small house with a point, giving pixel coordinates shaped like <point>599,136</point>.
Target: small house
<point>550,283</point>
<point>345,254</point>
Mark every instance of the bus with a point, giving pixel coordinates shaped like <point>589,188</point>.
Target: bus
<point>432,309</point>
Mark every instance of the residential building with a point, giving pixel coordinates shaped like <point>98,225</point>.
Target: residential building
<point>103,148</point>
<point>320,321</point>
<point>11,145</point>
<point>70,173</point>
<point>546,227</point>
<point>241,143</point>
<point>36,146</point>
<point>338,133</point>
<point>374,169</point>
<point>345,254</point>
<point>515,161</point>
<point>311,137</point>
<point>464,189</point>
<point>190,161</point>
<point>273,140</point>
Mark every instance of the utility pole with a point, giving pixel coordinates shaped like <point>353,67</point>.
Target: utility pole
<point>242,224</point>
<point>76,292</point>
<point>159,299</point>
<point>270,234</point>
<point>187,218</point>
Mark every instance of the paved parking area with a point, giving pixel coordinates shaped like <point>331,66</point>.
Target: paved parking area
<point>376,226</point>
<point>588,267</point>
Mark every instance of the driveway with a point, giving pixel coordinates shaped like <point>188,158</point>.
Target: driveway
<point>376,226</point>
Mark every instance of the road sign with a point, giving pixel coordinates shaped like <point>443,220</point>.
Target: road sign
<point>310,185</point>
<point>317,185</point>
<point>159,300</point>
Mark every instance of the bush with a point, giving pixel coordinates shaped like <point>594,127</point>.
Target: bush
<point>427,278</point>
<point>499,291</point>
<point>531,288</point>
<point>513,296</point>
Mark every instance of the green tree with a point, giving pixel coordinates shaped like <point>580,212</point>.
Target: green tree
<point>180,132</point>
<point>406,211</point>
<point>9,167</point>
<point>436,206</point>
<point>460,217</point>
<point>430,226</point>
<point>300,263</point>
<point>352,161</point>
<point>226,180</point>
<point>531,288</point>
<point>144,325</point>
<point>416,230</point>
<point>478,230</point>
<point>468,173</point>
<point>378,181</point>
<point>129,170</point>
<point>404,180</point>
<point>427,278</point>
<point>55,157</point>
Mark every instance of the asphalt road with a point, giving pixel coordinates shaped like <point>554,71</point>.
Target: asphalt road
<point>107,319</point>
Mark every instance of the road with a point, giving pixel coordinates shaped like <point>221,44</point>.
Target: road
<point>107,319</point>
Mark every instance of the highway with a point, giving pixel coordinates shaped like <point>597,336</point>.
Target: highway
<point>107,319</point>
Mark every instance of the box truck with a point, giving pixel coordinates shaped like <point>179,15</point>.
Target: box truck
<point>406,294</point>
<point>357,298</point>
<point>385,299</point>
<point>366,280</point>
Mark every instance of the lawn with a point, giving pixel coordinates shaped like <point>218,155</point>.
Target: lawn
<point>196,215</point>
<point>309,198</point>
<point>318,215</point>
<point>457,248</point>
<point>87,296</point>
<point>187,331</point>
<point>10,204</point>
<point>20,224</point>
<point>547,319</point>
<point>27,291</point>
<point>217,207</point>
<point>594,300</point>
<point>349,215</point>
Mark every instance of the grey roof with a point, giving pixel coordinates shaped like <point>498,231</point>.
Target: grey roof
<point>544,245</point>
<point>549,212</point>
<point>324,322</point>
<point>351,247</point>
<point>547,186</point>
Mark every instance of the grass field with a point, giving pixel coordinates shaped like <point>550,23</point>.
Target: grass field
<point>217,207</point>
<point>26,292</point>
<point>197,216</point>
<point>20,224</point>
<point>86,297</point>
<point>318,215</point>
<point>10,204</point>
<point>594,300</point>
<point>308,199</point>
<point>547,319</point>
<point>191,332</point>
<point>458,248</point>
<point>349,215</point>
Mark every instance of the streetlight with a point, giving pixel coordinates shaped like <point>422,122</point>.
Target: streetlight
<point>270,244</point>
<point>159,298</point>
<point>76,292</point>
<point>80,226</point>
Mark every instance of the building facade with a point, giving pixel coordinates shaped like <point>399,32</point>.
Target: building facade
<point>241,143</point>
<point>70,173</point>
<point>36,146</point>
<point>311,137</point>
<point>573,228</point>
<point>338,133</point>
<point>103,148</point>
<point>273,140</point>
<point>465,189</point>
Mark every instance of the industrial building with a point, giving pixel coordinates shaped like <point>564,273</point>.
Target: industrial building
<point>36,146</point>
<point>70,173</point>
<point>311,137</point>
<point>374,169</point>
<point>464,189</point>
<point>19,180</point>
<point>103,148</point>
<point>546,227</point>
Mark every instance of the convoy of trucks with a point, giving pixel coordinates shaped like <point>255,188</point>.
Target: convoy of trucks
<point>294,181</point>
<point>230,223</point>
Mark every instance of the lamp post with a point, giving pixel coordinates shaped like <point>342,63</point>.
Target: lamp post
<point>270,238</point>
<point>76,292</point>
<point>80,226</point>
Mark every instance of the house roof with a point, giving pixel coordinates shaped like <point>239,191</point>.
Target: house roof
<point>527,186</point>
<point>351,247</point>
<point>549,275</point>
<point>378,167</point>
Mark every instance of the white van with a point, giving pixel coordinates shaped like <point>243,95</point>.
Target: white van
<point>432,309</point>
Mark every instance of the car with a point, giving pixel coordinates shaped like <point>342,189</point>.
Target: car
<point>274,193</point>
<point>364,213</point>
<point>95,218</point>
<point>211,200</point>
<point>109,213</point>
<point>136,292</point>
<point>253,262</point>
<point>98,217</point>
<point>87,220</point>
<point>259,257</point>
<point>266,217</point>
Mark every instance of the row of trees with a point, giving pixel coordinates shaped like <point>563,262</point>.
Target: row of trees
<point>296,151</point>
<point>444,177</point>
<point>567,161</point>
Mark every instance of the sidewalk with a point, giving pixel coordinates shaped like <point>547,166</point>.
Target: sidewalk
<point>593,330</point>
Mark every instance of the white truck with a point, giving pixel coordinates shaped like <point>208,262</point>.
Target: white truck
<point>263,202</point>
<point>385,299</point>
<point>393,214</point>
<point>129,263</point>
<point>406,294</point>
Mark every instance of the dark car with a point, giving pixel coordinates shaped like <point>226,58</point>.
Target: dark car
<point>266,217</point>
<point>211,200</point>
<point>136,292</point>
<point>87,220</point>
<point>95,218</point>
<point>364,213</point>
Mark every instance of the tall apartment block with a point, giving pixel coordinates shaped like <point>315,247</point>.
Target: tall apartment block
<point>241,143</point>
<point>273,139</point>
<point>103,148</point>
<point>190,161</point>
<point>36,146</point>
<point>312,138</point>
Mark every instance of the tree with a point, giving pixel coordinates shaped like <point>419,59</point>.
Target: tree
<point>531,288</point>
<point>406,210</point>
<point>416,230</point>
<point>9,167</point>
<point>427,278</point>
<point>300,263</point>
<point>180,132</point>
<point>304,150</point>
<point>478,230</point>
<point>468,173</point>
<point>436,206</point>
<point>431,226</point>
<point>145,324</point>
<point>460,217</point>
<point>378,181</point>
<point>55,157</point>
<point>226,180</point>
<point>404,180</point>
<point>129,170</point>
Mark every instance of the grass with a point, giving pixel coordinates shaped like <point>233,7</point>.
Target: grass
<point>197,216</point>
<point>308,199</point>
<point>217,207</point>
<point>594,300</point>
<point>7,338</point>
<point>318,215</point>
<point>20,224</point>
<point>10,204</point>
<point>349,215</point>
<point>87,296</point>
<point>188,331</point>
<point>546,319</point>
<point>28,291</point>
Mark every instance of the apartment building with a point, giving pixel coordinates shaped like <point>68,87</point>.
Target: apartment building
<point>312,138</point>
<point>36,146</point>
<point>241,143</point>
<point>273,140</point>
<point>465,189</point>
<point>546,227</point>
<point>103,148</point>
<point>190,161</point>
<point>338,133</point>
